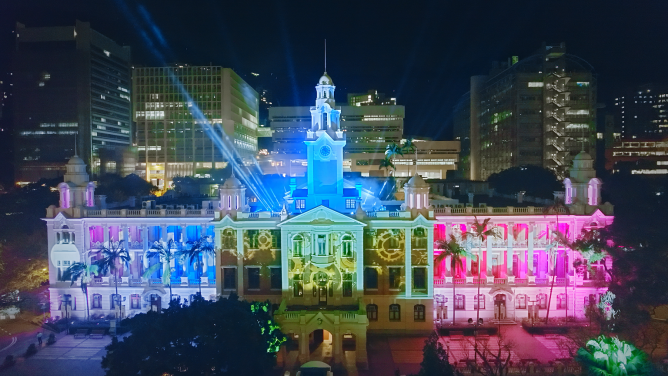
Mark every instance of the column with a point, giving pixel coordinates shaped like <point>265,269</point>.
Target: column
<point>360,349</point>
<point>106,234</point>
<point>163,232</point>
<point>337,339</point>
<point>184,234</point>
<point>124,229</point>
<point>86,243</point>
<point>285,246</point>
<point>240,264</point>
<point>430,259</point>
<point>532,232</point>
<point>408,262</point>
<point>303,347</point>
<point>489,253</point>
<point>509,255</point>
<point>359,259</point>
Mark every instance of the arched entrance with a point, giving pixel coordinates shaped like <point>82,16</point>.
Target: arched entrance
<point>320,345</point>
<point>500,307</point>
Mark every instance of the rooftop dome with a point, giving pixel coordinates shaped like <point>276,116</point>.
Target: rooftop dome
<point>416,182</point>
<point>325,80</point>
<point>76,160</point>
<point>583,155</point>
<point>232,182</point>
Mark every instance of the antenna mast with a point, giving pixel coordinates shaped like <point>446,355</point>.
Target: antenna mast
<point>325,55</point>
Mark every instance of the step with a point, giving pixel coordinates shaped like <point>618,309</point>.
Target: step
<point>504,322</point>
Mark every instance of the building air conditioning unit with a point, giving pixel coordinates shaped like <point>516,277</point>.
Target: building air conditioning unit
<point>148,204</point>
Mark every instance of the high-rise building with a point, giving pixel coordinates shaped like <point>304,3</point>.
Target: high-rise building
<point>70,83</point>
<point>642,113</point>
<point>540,110</point>
<point>183,111</point>
<point>370,98</point>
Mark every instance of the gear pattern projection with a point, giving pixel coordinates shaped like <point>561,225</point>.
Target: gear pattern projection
<point>388,243</point>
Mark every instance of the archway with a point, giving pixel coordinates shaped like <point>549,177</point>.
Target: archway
<point>320,345</point>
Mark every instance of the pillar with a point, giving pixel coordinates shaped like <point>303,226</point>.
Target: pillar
<point>106,234</point>
<point>184,234</point>
<point>285,246</point>
<point>359,259</point>
<point>240,264</point>
<point>163,232</point>
<point>430,259</point>
<point>337,344</point>
<point>303,348</point>
<point>360,350</point>
<point>408,262</point>
<point>488,259</point>
<point>509,254</point>
<point>532,232</point>
<point>124,229</point>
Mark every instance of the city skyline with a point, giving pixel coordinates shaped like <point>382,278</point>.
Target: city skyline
<point>404,60</point>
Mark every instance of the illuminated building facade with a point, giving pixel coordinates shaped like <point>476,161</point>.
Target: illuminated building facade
<point>70,83</point>
<point>332,257</point>
<point>643,113</point>
<point>540,110</point>
<point>639,157</point>
<point>370,98</point>
<point>171,134</point>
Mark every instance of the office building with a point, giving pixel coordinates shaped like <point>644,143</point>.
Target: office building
<point>192,119</point>
<point>639,157</point>
<point>540,110</point>
<point>331,257</point>
<point>71,84</point>
<point>642,113</point>
<point>370,98</point>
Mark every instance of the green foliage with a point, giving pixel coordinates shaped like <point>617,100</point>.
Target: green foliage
<point>609,356</point>
<point>83,272</point>
<point>165,254</point>
<point>535,181</point>
<point>224,337</point>
<point>435,358</point>
<point>118,189</point>
<point>195,250</point>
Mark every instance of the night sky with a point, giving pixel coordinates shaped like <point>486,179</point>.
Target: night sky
<point>422,52</point>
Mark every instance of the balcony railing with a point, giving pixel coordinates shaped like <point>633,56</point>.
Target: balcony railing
<point>130,213</point>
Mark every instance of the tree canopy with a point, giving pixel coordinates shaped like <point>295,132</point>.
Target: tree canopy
<point>534,180</point>
<point>118,189</point>
<point>223,337</point>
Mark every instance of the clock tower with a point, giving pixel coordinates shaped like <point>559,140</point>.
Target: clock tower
<point>324,143</point>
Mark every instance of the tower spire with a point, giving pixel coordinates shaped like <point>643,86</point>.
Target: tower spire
<point>325,55</point>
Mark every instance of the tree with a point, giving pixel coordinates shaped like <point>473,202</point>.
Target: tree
<point>222,337</point>
<point>456,252</point>
<point>195,252</point>
<point>553,248</point>
<point>534,180</point>
<point>409,147</point>
<point>115,257</point>
<point>165,257</point>
<point>494,354</point>
<point>480,232</point>
<point>609,356</point>
<point>84,272</point>
<point>435,358</point>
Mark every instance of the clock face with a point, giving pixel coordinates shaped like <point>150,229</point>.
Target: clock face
<point>325,151</point>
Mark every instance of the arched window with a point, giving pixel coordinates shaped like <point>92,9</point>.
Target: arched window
<point>115,299</point>
<point>97,301</point>
<point>135,300</point>
<point>418,312</point>
<point>371,278</point>
<point>541,300</point>
<point>562,302</point>
<point>460,301</point>
<point>395,312</point>
<point>298,246</point>
<point>479,300</point>
<point>521,300</point>
<point>372,312</point>
<point>347,246</point>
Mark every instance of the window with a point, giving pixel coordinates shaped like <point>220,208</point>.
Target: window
<point>420,278</point>
<point>372,312</point>
<point>297,246</point>
<point>275,239</point>
<point>371,278</point>
<point>395,312</point>
<point>418,312</point>
<point>97,301</point>
<point>227,240</point>
<point>298,285</point>
<point>322,245</point>
<point>419,238</point>
<point>521,301</point>
<point>253,238</point>
<point>347,246</point>
<point>135,301</point>
<point>347,285</point>
<point>479,299</point>
<point>115,298</point>
<point>590,300</point>
<point>253,278</point>
<point>276,279</point>
<point>541,301</point>
<point>459,302</point>
<point>395,278</point>
<point>300,204</point>
<point>351,203</point>
<point>229,278</point>
<point>562,302</point>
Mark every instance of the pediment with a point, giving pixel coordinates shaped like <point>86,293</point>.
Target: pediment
<point>60,221</point>
<point>322,215</point>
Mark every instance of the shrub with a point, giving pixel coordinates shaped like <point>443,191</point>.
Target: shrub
<point>51,340</point>
<point>32,350</point>
<point>9,361</point>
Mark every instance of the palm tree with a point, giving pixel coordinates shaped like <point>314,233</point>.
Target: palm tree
<point>195,252</point>
<point>387,164</point>
<point>165,257</point>
<point>451,248</point>
<point>553,249</point>
<point>409,147</point>
<point>84,272</point>
<point>115,257</point>
<point>479,232</point>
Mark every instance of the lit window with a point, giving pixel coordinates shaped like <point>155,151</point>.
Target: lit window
<point>371,278</point>
<point>350,203</point>
<point>301,204</point>
<point>372,312</point>
<point>418,312</point>
<point>534,84</point>
<point>395,312</point>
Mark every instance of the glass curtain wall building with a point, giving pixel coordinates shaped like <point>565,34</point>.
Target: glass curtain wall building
<point>171,137</point>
